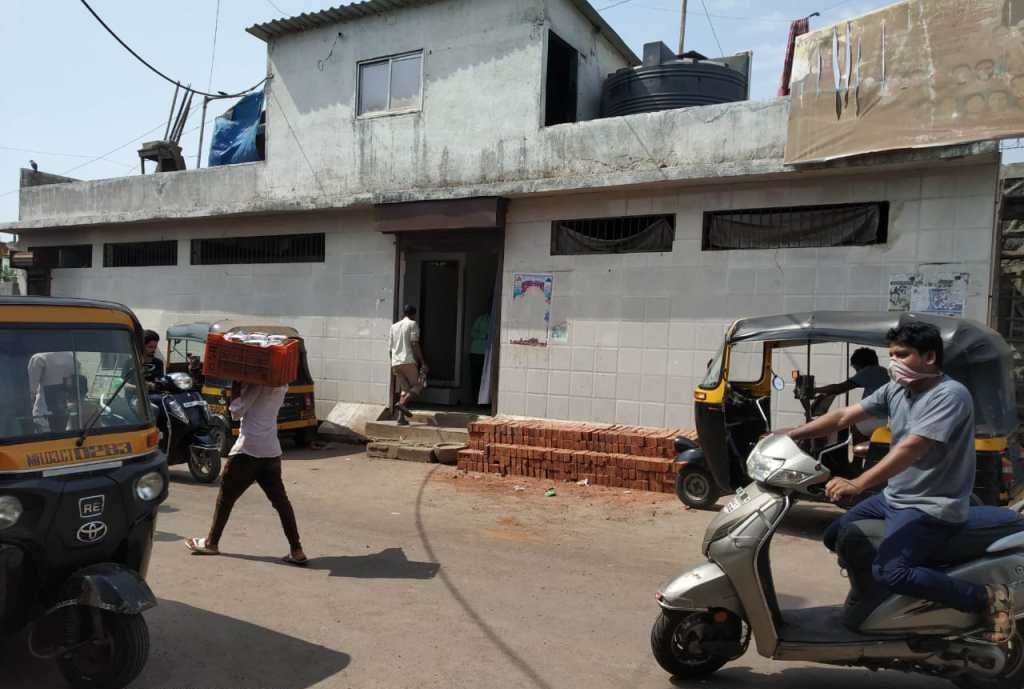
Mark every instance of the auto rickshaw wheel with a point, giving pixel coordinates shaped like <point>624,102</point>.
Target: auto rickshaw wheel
<point>696,488</point>
<point>111,662</point>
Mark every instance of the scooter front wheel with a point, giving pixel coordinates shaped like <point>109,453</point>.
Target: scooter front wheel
<point>679,640</point>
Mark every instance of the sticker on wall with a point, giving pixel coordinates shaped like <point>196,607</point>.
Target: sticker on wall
<point>943,294</point>
<point>560,333</point>
<point>530,314</point>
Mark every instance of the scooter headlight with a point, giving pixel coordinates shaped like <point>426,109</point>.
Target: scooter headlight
<point>10,511</point>
<point>149,486</point>
<point>175,409</point>
<point>760,467</point>
<point>182,381</point>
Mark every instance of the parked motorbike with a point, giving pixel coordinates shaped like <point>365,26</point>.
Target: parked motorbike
<point>709,614</point>
<point>187,433</point>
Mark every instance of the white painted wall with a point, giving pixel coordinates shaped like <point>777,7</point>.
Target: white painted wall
<point>343,307</point>
<point>643,326</point>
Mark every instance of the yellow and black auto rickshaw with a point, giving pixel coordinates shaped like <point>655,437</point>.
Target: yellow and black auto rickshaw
<point>732,405</point>
<point>80,482</point>
<point>186,349</point>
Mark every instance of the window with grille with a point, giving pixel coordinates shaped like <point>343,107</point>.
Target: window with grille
<point>842,224</point>
<point>66,256</point>
<point>286,248</point>
<point>622,235</point>
<point>135,254</point>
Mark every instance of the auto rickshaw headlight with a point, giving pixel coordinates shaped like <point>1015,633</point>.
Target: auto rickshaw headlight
<point>149,486</point>
<point>10,511</point>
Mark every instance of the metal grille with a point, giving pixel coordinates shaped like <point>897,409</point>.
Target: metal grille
<point>289,248</point>
<point>65,256</point>
<point>135,254</point>
<point>626,234</point>
<point>843,224</point>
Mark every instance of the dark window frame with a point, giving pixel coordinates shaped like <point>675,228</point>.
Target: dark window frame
<point>561,91</point>
<point>605,230</point>
<point>65,255</point>
<point>881,232</point>
<point>162,252</point>
<point>259,249</point>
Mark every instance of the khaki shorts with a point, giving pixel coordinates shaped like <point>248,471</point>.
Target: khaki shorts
<point>408,378</point>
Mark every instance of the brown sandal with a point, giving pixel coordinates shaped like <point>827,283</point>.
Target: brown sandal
<point>1000,613</point>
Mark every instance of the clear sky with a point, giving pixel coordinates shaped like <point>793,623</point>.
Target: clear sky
<point>71,93</point>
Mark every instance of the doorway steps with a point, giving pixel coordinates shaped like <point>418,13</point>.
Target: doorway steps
<point>431,436</point>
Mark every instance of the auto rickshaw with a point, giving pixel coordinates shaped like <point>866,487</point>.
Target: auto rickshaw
<point>732,412</point>
<point>186,349</point>
<point>80,482</point>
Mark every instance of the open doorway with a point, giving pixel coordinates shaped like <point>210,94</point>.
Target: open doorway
<point>451,277</point>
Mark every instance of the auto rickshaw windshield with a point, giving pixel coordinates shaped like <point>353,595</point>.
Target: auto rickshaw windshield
<point>58,380</point>
<point>714,373</point>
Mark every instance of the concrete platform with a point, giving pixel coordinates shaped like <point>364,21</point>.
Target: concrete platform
<point>416,433</point>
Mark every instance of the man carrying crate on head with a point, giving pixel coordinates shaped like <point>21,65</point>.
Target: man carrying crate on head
<point>254,458</point>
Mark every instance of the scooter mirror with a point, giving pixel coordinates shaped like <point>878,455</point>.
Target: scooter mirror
<point>778,383</point>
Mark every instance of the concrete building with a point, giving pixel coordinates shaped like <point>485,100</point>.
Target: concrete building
<point>431,152</point>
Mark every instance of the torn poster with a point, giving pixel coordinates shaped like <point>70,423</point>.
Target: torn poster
<point>943,294</point>
<point>915,74</point>
<point>530,314</point>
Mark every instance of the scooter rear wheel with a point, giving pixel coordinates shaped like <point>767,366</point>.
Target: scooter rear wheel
<point>1013,674</point>
<point>677,642</point>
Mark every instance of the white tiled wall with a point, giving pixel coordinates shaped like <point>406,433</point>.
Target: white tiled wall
<point>643,326</point>
<point>343,306</point>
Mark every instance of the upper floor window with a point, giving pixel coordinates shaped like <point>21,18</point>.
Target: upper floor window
<point>391,84</point>
<point>63,256</point>
<point>560,93</point>
<point>838,224</point>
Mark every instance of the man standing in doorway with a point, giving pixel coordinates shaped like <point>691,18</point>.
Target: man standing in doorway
<point>406,361</point>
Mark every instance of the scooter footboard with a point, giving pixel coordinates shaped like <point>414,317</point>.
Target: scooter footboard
<point>702,588</point>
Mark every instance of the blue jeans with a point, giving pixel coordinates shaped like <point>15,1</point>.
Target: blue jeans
<point>911,536</point>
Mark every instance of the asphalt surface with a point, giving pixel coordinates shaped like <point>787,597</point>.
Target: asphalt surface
<point>422,577</point>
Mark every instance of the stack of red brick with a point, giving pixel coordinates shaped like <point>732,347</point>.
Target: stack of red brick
<point>634,457</point>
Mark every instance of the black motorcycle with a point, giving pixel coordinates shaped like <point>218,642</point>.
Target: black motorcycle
<point>187,433</point>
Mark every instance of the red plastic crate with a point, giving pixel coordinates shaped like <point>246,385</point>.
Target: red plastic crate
<point>274,365</point>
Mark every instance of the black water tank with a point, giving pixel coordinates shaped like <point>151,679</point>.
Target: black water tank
<point>666,81</point>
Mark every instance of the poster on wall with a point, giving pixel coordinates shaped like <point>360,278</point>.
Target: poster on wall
<point>943,294</point>
<point>530,314</point>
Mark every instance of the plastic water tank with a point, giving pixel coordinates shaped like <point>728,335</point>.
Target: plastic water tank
<point>665,81</point>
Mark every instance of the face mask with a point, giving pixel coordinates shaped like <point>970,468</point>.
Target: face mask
<point>905,376</point>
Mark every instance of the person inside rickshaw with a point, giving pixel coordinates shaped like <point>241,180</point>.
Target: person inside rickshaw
<point>869,376</point>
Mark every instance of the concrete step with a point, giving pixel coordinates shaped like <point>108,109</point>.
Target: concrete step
<point>416,433</point>
<point>443,419</point>
<point>444,453</point>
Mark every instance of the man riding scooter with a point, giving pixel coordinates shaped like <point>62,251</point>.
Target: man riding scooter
<point>928,476</point>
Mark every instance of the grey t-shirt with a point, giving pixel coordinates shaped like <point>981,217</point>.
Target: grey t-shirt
<point>940,483</point>
<point>870,378</point>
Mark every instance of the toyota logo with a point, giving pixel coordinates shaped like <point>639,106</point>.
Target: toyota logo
<point>92,532</point>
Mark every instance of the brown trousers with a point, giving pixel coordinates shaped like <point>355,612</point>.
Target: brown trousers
<point>242,471</point>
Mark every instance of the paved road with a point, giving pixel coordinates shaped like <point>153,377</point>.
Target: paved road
<point>422,579</point>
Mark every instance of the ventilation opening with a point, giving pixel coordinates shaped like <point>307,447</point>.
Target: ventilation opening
<point>560,96</point>
<point>135,254</point>
<point>291,248</point>
<point>623,235</point>
<point>66,256</point>
<point>845,224</point>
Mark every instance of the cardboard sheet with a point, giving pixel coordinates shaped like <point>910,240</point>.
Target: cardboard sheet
<point>915,74</point>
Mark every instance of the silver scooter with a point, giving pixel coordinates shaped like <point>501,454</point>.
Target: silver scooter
<point>709,614</point>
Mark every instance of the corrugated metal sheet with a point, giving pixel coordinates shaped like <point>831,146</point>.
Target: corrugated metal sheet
<point>366,8</point>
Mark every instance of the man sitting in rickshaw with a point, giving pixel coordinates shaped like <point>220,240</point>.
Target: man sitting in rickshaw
<point>928,475</point>
<point>869,376</point>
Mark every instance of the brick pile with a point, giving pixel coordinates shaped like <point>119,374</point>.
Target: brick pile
<point>636,457</point>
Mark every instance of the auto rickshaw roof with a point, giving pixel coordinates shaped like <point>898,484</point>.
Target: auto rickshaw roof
<point>65,303</point>
<point>973,354</point>
<point>190,331</point>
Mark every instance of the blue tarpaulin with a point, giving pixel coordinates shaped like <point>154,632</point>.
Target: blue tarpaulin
<point>234,133</point>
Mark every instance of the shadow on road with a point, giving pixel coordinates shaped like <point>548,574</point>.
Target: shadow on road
<point>192,647</point>
<point>813,677</point>
<point>167,537</point>
<point>390,563</point>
